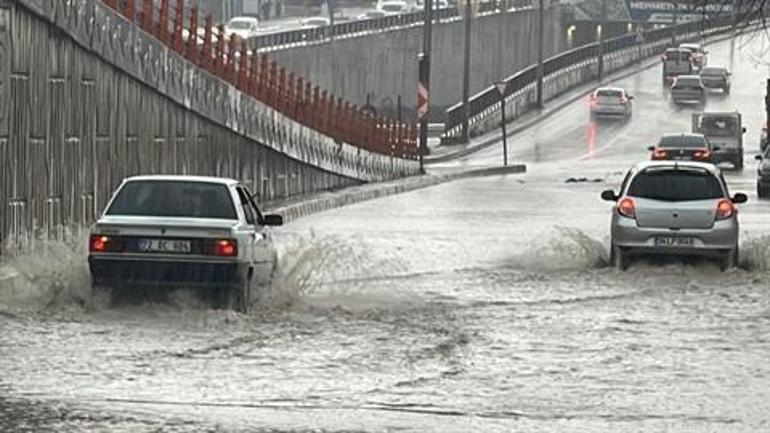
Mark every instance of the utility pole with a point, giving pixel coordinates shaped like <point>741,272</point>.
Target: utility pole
<point>466,73</point>
<point>423,87</point>
<point>540,47</point>
<point>767,105</point>
<point>601,30</point>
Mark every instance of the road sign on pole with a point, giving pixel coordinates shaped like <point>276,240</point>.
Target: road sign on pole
<point>501,87</point>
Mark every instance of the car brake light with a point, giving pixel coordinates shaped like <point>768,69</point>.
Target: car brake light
<point>103,243</point>
<point>224,248</point>
<point>725,209</point>
<point>627,207</point>
<point>659,154</point>
<point>702,154</point>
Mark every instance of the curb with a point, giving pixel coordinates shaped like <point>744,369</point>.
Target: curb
<point>328,201</point>
<point>553,110</point>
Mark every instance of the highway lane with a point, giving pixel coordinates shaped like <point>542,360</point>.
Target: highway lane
<point>478,305</point>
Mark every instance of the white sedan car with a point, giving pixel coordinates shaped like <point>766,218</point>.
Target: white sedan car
<point>184,231</point>
<point>611,101</point>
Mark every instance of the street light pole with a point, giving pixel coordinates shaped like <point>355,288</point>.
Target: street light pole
<point>540,47</point>
<point>423,90</point>
<point>601,30</point>
<point>466,73</point>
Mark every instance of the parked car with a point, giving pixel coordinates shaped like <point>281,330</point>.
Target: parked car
<point>682,147</point>
<point>243,27</point>
<point>314,22</point>
<point>676,61</point>
<point>611,101</point>
<point>166,232</point>
<point>716,77</point>
<point>763,174</point>
<point>699,56</point>
<point>372,15</point>
<point>673,207</point>
<point>688,89</point>
<point>723,131</point>
<point>395,7</point>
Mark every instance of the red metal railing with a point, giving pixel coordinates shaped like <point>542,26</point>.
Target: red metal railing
<point>262,79</point>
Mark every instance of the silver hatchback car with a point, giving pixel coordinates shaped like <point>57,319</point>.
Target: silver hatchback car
<point>674,207</point>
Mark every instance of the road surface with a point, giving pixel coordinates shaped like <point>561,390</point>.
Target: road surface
<point>478,305</point>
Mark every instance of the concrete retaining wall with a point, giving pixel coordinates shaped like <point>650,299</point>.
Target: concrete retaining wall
<point>88,99</point>
<point>383,65</point>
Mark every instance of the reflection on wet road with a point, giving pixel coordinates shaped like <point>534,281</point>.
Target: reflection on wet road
<point>479,305</point>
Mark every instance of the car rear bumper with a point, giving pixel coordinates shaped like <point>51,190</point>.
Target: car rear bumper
<point>679,96</point>
<point>721,237</point>
<point>609,110</point>
<point>114,271</point>
<point>714,84</point>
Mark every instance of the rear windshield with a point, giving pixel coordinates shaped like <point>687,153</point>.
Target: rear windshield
<point>719,126</point>
<point>676,185</point>
<point>678,55</point>
<point>173,199</point>
<point>687,82</point>
<point>686,141</point>
<point>609,93</point>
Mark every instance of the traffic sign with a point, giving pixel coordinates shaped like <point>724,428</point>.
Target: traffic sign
<point>423,101</point>
<point>501,86</point>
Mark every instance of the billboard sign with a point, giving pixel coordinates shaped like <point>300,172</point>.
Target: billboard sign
<point>679,11</point>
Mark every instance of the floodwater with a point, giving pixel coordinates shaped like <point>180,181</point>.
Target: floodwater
<point>478,305</point>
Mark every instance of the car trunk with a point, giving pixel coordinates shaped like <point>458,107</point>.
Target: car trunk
<point>609,100</point>
<point>186,236</point>
<point>696,214</point>
<point>683,154</point>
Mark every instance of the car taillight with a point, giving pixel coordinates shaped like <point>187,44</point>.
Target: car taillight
<point>592,101</point>
<point>627,207</point>
<point>624,100</point>
<point>702,154</point>
<point>104,243</point>
<point>725,209</point>
<point>222,248</point>
<point>659,154</point>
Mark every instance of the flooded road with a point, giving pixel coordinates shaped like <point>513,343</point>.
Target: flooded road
<point>478,305</point>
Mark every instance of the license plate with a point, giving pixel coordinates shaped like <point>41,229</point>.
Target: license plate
<point>674,241</point>
<point>163,246</point>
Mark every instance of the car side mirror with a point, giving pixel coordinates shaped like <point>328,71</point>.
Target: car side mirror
<point>744,130</point>
<point>716,148</point>
<point>651,148</point>
<point>609,195</point>
<point>630,97</point>
<point>272,220</point>
<point>739,198</point>
<point>758,157</point>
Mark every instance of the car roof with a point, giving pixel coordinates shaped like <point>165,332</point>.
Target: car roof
<point>688,77</point>
<point>246,19</point>
<point>611,89</point>
<point>183,178</point>
<point>711,168</point>
<point>679,49</point>
<point>689,45</point>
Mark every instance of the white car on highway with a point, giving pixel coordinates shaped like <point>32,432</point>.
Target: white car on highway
<point>243,27</point>
<point>611,101</point>
<point>395,7</point>
<point>167,232</point>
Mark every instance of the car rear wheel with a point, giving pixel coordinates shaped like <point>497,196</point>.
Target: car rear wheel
<point>238,298</point>
<point>729,260</point>
<point>618,258</point>
<point>738,163</point>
